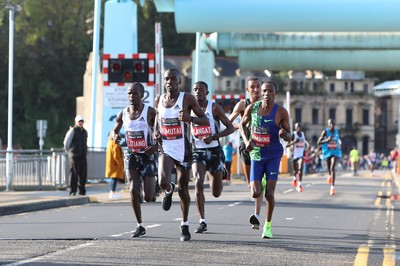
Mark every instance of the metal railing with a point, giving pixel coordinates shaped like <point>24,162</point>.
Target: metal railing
<point>35,169</point>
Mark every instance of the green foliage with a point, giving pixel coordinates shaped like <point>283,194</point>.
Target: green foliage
<point>51,48</point>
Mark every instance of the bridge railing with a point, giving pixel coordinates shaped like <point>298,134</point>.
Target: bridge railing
<point>35,169</point>
<point>46,169</point>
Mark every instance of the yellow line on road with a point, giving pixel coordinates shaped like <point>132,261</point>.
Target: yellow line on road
<point>389,257</point>
<point>362,256</point>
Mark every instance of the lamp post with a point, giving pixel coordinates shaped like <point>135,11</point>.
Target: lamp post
<point>9,155</point>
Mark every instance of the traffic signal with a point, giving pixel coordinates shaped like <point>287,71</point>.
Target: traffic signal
<point>128,70</point>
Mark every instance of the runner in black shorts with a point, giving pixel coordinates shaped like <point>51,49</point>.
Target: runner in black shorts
<point>138,120</point>
<point>254,90</point>
<point>207,151</point>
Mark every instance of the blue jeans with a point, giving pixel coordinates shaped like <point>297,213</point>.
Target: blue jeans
<point>113,184</point>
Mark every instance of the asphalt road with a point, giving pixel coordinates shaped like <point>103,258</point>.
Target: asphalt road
<point>354,227</point>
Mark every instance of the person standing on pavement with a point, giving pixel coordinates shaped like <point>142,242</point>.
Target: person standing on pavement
<point>331,151</point>
<point>207,152</point>
<point>268,122</point>
<point>354,159</point>
<point>138,121</point>
<point>299,144</point>
<point>75,144</point>
<point>253,88</point>
<point>172,134</point>
<point>229,151</point>
<point>114,164</point>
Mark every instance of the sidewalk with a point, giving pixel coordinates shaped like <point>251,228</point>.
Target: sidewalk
<point>13,202</point>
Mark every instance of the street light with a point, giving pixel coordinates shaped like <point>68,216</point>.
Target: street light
<point>9,157</point>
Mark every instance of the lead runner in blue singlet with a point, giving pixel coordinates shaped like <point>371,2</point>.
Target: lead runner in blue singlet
<point>268,122</point>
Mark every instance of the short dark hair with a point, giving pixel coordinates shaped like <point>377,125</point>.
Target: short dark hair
<point>137,85</point>
<point>201,83</point>
<point>270,82</point>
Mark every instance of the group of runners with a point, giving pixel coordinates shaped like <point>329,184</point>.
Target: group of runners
<point>183,132</point>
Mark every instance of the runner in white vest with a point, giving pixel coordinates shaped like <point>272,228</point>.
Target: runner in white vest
<point>299,144</point>
<point>207,151</point>
<point>172,134</point>
<point>137,120</point>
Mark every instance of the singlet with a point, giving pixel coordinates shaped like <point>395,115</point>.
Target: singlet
<point>264,134</point>
<point>246,129</point>
<point>138,131</point>
<point>331,148</point>
<point>199,132</point>
<point>299,146</point>
<point>173,131</point>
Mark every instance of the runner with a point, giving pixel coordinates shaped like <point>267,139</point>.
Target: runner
<point>138,120</point>
<point>207,152</point>
<point>253,88</point>
<point>331,151</point>
<point>268,122</point>
<point>299,144</point>
<point>172,134</point>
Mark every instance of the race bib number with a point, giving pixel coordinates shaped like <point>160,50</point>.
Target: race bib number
<point>260,136</point>
<point>332,144</point>
<point>299,145</point>
<point>171,128</point>
<point>136,141</point>
<point>201,131</point>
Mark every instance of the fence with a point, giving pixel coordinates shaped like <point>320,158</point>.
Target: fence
<point>46,169</point>
<point>35,169</point>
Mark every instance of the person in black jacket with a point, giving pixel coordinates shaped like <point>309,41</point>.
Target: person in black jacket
<point>75,144</point>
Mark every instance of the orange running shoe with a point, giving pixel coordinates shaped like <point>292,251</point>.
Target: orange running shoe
<point>299,188</point>
<point>294,182</point>
<point>329,180</point>
<point>333,191</point>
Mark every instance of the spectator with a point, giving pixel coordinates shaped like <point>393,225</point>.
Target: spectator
<point>114,164</point>
<point>229,151</point>
<point>75,144</point>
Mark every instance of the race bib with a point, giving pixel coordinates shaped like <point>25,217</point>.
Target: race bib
<point>201,131</point>
<point>171,128</point>
<point>260,136</point>
<point>136,141</point>
<point>332,144</point>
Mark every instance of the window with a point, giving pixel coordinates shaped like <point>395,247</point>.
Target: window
<point>349,117</point>
<point>365,88</point>
<point>332,113</point>
<point>294,85</point>
<point>346,86</point>
<point>365,117</point>
<point>315,87</point>
<point>297,115</point>
<point>351,86</point>
<point>332,87</point>
<point>365,146</point>
<point>315,116</point>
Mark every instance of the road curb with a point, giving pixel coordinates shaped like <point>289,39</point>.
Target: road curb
<point>44,204</point>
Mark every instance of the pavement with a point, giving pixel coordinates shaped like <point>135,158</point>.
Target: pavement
<point>13,202</point>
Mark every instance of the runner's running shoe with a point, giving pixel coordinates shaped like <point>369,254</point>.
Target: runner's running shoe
<point>185,234</point>
<point>294,182</point>
<point>140,231</point>
<point>267,233</point>
<point>329,180</point>
<point>202,228</point>
<point>255,223</point>
<point>167,200</point>
<point>333,191</point>
<point>299,188</point>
